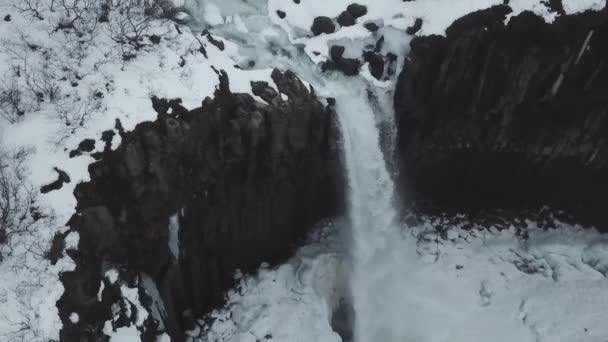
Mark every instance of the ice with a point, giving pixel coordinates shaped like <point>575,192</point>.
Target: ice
<point>74,318</point>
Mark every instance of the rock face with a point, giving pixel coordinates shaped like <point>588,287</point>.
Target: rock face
<point>508,116</point>
<point>247,178</point>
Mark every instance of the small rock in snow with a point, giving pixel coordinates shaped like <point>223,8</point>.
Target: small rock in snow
<point>322,25</point>
<point>415,28</point>
<point>357,10</point>
<point>281,14</point>
<point>372,27</point>
<point>376,63</point>
<point>87,145</point>
<point>7,17</point>
<point>336,52</point>
<point>155,39</point>
<point>346,19</point>
<point>62,177</point>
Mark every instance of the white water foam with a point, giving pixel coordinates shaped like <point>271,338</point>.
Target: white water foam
<point>372,212</point>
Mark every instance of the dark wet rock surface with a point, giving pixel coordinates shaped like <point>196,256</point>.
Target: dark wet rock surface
<point>247,178</point>
<point>507,116</point>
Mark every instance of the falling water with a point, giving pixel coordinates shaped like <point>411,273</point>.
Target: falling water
<point>372,214</point>
<point>363,109</point>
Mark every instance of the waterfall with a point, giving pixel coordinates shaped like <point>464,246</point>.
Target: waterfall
<point>372,214</point>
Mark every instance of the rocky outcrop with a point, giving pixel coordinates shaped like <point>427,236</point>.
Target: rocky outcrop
<point>508,116</point>
<point>247,179</point>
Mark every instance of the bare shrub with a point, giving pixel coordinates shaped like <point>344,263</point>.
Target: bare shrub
<point>32,8</point>
<point>73,112</point>
<point>130,24</point>
<point>16,197</point>
<point>11,100</point>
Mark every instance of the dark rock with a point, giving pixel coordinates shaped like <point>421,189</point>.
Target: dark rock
<point>296,1</point>
<point>521,121</point>
<point>218,43</point>
<point>119,128</point>
<point>155,39</point>
<point>202,50</point>
<point>263,90</point>
<point>87,145</point>
<point>322,25</point>
<point>376,63</point>
<point>555,6</point>
<point>56,248</point>
<point>346,19</point>
<point>372,27</point>
<point>391,70</point>
<point>107,137</point>
<point>357,10</point>
<point>281,14</point>
<point>336,52</point>
<point>62,177</point>
<point>348,66</point>
<point>414,28</point>
<point>248,179</point>
<point>7,17</point>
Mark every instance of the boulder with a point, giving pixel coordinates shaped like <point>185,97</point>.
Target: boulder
<point>336,52</point>
<point>356,10</point>
<point>322,25</point>
<point>346,19</point>
<point>376,63</point>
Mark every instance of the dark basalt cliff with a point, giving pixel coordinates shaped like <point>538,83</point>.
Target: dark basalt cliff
<point>508,116</point>
<point>247,178</point>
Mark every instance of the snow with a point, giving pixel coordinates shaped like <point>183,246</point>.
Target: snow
<point>74,318</point>
<point>174,236</point>
<point>112,275</point>
<point>575,6</point>
<point>470,288</point>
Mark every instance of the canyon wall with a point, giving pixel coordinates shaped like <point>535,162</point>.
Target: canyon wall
<point>247,179</point>
<point>511,116</point>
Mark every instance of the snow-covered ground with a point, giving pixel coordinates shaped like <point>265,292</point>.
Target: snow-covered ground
<point>562,297</point>
<point>476,284</point>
